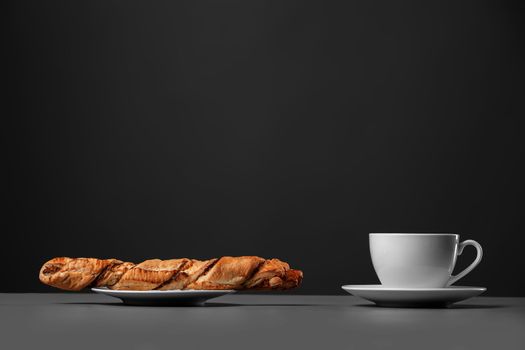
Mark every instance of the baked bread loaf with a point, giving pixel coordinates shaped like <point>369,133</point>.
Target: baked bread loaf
<point>227,272</point>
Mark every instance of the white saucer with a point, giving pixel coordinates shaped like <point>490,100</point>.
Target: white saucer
<point>163,297</point>
<point>413,297</point>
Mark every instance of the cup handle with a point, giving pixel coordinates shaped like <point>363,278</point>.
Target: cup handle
<point>461,246</point>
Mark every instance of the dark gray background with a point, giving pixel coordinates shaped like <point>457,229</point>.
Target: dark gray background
<point>141,129</point>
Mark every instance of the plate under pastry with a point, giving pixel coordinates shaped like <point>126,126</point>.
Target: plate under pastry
<point>163,297</point>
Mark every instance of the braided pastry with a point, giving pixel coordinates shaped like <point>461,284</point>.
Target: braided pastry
<point>243,272</point>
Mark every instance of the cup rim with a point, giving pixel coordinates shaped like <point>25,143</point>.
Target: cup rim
<point>411,234</point>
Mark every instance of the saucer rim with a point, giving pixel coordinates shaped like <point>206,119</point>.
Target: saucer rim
<point>379,287</point>
<point>412,234</point>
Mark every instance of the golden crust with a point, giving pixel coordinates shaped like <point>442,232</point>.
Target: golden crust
<point>228,273</point>
<point>270,269</point>
<point>149,274</point>
<point>72,274</point>
<point>292,279</point>
<point>188,274</point>
<point>112,274</point>
<point>244,272</point>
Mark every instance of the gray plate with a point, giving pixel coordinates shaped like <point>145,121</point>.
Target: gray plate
<point>163,297</point>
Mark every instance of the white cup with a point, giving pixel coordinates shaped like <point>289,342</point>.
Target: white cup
<point>418,260</point>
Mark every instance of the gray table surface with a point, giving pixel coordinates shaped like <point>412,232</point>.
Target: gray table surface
<point>89,321</point>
